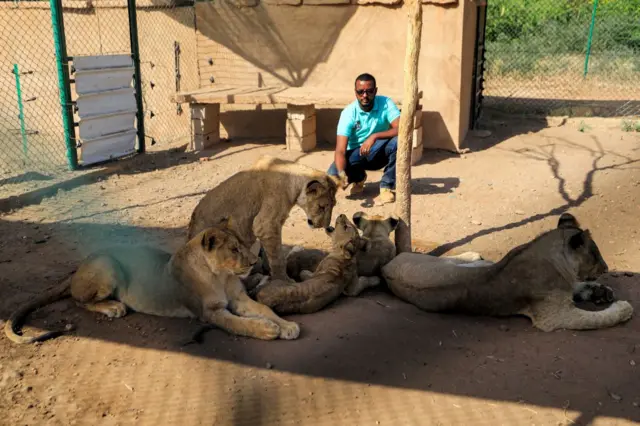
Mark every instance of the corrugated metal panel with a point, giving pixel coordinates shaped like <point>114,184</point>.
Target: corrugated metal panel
<point>106,106</point>
<point>101,62</point>
<point>108,147</point>
<point>106,102</point>
<point>92,81</point>
<point>94,127</point>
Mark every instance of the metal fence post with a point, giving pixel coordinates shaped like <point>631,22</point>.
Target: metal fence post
<point>23,128</point>
<point>62,61</point>
<point>135,55</point>
<point>593,22</point>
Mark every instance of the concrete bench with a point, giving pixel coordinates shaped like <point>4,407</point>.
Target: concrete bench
<point>301,102</point>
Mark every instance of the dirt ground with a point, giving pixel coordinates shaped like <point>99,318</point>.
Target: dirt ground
<point>366,360</point>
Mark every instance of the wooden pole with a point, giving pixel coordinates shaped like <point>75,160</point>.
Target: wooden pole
<point>405,131</point>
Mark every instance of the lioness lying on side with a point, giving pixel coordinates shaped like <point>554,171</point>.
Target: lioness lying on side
<point>540,279</point>
<point>201,280</point>
<point>377,252</point>
<point>260,200</point>
<point>334,273</point>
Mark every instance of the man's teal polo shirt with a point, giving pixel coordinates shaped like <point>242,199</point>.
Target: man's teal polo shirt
<point>358,125</point>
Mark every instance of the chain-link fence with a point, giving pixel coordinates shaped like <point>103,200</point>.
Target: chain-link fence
<point>33,147</point>
<point>563,57</point>
<point>31,130</point>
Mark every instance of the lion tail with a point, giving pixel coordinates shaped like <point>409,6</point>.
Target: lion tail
<point>12,326</point>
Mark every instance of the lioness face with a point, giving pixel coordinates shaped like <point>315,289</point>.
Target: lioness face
<point>319,200</point>
<point>582,249</point>
<point>223,250</point>
<point>375,226</point>
<point>345,236</point>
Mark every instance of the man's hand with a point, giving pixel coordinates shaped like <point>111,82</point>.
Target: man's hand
<point>366,146</point>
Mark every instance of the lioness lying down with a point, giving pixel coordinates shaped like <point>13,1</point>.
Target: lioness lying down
<point>199,281</point>
<point>260,200</point>
<point>540,279</point>
<point>377,251</point>
<point>334,273</point>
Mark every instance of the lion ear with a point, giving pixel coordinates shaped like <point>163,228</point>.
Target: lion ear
<point>393,222</point>
<point>313,187</point>
<point>567,220</point>
<point>359,219</point>
<point>225,222</point>
<point>577,240</point>
<point>208,240</point>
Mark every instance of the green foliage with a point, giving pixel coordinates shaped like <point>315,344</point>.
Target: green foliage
<point>522,33</point>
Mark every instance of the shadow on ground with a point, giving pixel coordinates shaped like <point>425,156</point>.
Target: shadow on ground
<point>374,339</point>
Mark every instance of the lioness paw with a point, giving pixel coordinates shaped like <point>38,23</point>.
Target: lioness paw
<point>593,292</point>
<point>602,294</point>
<point>289,330</point>
<point>112,309</point>
<point>267,329</point>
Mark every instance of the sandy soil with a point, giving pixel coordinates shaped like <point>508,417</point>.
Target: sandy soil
<point>366,360</point>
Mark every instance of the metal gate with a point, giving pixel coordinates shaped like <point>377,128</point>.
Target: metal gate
<point>478,64</point>
<point>100,84</point>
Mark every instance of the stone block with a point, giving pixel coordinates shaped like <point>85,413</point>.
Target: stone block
<point>282,2</point>
<point>417,119</point>
<point>205,125</point>
<point>300,112</point>
<point>387,2</point>
<point>440,2</point>
<point>416,154</point>
<point>201,142</point>
<point>205,111</point>
<point>301,143</point>
<point>243,3</point>
<point>301,128</point>
<point>416,140</point>
<point>325,2</point>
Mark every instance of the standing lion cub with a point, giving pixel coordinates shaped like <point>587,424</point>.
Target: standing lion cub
<point>201,280</point>
<point>540,280</point>
<point>260,200</point>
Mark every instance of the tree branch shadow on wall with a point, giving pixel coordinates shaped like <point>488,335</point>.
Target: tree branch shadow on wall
<point>292,39</point>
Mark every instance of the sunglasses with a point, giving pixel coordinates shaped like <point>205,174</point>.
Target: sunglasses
<point>362,91</point>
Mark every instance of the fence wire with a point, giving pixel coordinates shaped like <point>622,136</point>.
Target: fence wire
<point>31,132</point>
<point>579,57</point>
<point>32,144</point>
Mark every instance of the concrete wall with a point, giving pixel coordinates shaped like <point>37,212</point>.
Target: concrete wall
<point>301,43</point>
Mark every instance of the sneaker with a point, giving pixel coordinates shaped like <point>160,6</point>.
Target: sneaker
<point>386,196</point>
<point>357,188</point>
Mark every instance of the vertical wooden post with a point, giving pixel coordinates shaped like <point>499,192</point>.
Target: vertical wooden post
<point>409,103</point>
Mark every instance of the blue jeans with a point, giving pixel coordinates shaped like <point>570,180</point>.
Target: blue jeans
<point>382,154</point>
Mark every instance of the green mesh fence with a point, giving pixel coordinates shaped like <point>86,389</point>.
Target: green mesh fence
<point>31,132</point>
<point>578,57</point>
<point>33,150</point>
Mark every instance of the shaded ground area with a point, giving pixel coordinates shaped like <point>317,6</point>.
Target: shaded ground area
<point>367,360</point>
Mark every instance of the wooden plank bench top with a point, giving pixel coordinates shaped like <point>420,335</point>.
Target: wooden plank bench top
<point>221,94</point>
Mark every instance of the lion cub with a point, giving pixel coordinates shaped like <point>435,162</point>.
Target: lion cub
<point>334,273</point>
<point>540,280</point>
<point>201,280</point>
<point>261,198</point>
<point>377,252</point>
